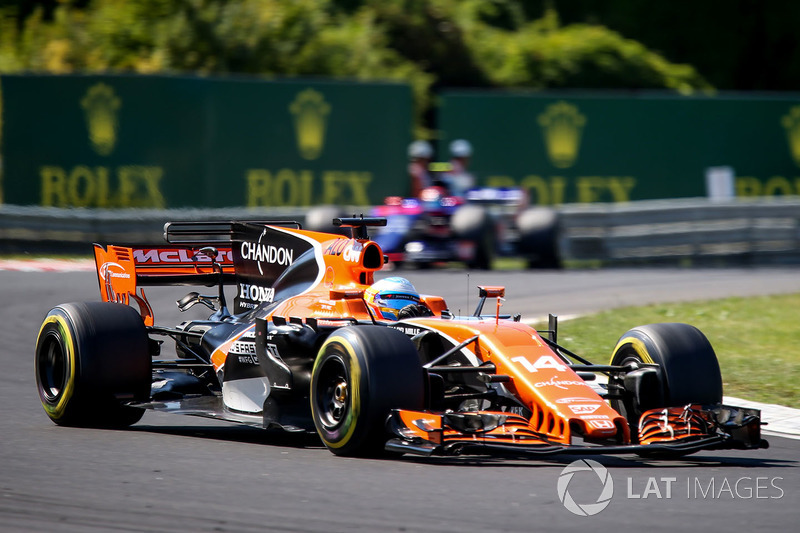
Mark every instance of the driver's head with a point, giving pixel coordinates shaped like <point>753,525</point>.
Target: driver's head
<point>420,150</point>
<point>388,296</point>
<point>461,149</point>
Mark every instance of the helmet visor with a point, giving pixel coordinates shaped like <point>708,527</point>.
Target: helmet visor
<point>390,304</point>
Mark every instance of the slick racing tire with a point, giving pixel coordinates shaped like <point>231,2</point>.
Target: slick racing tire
<point>688,370</point>
<point>359,375</point>
<point>474,223</point>
<point>321,219</point>
<point>538,237</point>
<point>91,358</point>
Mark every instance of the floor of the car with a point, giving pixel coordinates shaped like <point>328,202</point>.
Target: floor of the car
<point>205,406</point>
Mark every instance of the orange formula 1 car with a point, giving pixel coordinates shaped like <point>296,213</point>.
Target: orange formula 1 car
<point>302,350</point>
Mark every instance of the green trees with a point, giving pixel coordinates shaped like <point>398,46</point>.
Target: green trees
<point>546,54</point>
<point>429,43</point>
<point>466,43</point>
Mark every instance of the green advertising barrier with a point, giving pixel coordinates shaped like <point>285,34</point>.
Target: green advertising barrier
<point>142,141</point>
<point>600,148</point>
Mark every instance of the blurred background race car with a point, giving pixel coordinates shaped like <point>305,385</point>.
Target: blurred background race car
<point>448,218</point>
<point>474,229</point>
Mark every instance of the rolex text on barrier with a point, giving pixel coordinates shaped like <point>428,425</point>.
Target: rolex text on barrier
<point>604,147</point>
<point>164,142</point>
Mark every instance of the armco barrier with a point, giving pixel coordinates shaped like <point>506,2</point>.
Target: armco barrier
<point>38,229</point>
<point>697,230</point>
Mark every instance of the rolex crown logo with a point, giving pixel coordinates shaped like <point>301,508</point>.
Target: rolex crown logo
<point>101,105</point>
<point>562,125</point>
<point>791,121</point>
<point>310,116</point>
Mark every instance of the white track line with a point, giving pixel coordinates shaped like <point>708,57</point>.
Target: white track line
<point>781,421</point>
<point>47,265</point>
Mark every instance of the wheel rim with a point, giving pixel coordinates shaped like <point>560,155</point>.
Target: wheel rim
<point>630,358</point>
<point>333,393</point>
<point>52,367</point>
<point>627,357</point>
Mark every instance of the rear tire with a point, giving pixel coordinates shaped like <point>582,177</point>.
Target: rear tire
<point>474,223</point>
<point>538,237</point>
<point>361,373</point>
<point>321,219</point>
<point>90,358</point>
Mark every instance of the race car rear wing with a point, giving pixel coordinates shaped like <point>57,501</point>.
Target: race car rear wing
<point>198,253</point>
<point>123,270</point>
<point>164,265</point>
<point>210,233</point>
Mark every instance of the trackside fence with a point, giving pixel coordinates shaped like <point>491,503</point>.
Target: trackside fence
<point>694,231</point>
<point>59,230</point>
<point>697,231</point>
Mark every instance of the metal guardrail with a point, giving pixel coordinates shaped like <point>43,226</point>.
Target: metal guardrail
<point>697,230</point>
<point>50,229</point>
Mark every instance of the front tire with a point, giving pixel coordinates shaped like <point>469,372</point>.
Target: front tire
<point>688,370</point>
<point>360,374</point>
<point>90,358</point>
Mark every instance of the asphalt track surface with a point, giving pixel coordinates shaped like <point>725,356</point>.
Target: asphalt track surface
<point>174,473</point>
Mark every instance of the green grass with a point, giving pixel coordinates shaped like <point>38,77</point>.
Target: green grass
<point>757,340</point>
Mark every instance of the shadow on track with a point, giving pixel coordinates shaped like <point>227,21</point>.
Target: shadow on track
<point>241,434</point>
<point>608,461</point>
<point>283,439</point>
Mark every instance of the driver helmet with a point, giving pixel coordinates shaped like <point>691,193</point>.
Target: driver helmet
<point>460,148</point>
<point>388,296</point>
<point>420,150</point>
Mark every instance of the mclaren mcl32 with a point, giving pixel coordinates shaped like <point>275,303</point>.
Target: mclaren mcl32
<point>300,349</point>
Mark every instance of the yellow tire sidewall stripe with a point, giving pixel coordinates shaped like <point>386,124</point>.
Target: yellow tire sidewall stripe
<point>638,347</point>
<point>354,390</point>
<point>57,411</point>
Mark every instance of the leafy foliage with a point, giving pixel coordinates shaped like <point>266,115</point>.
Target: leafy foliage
<point>429,43</point>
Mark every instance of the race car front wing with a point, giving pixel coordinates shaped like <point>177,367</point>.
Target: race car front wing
<point>669,431</point>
